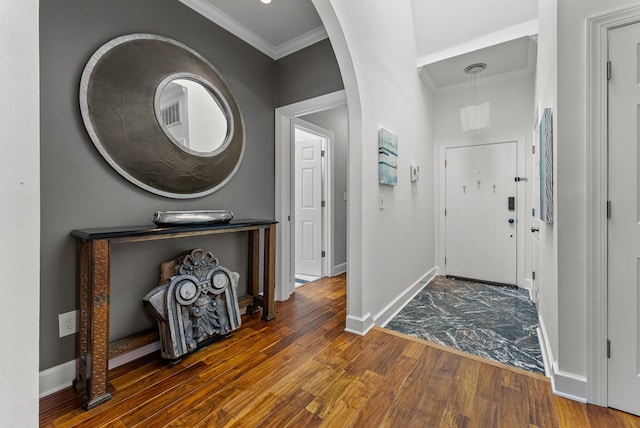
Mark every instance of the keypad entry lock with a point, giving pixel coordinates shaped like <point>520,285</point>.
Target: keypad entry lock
<point>512,207</point>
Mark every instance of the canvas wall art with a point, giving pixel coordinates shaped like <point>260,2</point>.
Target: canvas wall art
<point>387,157</point>
<point>546,166</point>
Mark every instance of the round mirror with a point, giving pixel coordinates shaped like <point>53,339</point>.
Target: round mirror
<point>130,100</point>
<point>192,115</point>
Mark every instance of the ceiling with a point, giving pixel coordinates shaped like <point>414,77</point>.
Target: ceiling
<point>277,29</point>
<point>285,26</point>
<point>507,60</point>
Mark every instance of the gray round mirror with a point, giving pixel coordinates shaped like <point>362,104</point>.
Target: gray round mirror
<point>193,115</point>
<point>121,101</point>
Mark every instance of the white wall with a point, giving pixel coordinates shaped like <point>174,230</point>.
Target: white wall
<point>390,250</point>
<point>571,182</point>
<point>511,118</point>
<point>546,97</point>
<point>19,213</point>
<point>453,27</point>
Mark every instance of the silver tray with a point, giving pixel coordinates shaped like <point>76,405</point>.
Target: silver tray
<point>177,218</point>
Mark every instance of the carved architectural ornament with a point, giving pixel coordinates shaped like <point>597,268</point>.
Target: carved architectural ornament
<point>196,306</point>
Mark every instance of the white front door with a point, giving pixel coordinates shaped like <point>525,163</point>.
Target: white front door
<point>480,217</point>
<point>624,224</point>
<point>308,203</point>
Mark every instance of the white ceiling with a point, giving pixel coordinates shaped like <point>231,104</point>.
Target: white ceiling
<point>506,60</point>
<point>277,29</point>
<point>450,34</point>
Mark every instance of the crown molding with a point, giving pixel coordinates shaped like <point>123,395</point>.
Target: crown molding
<point>515,74</point>
<point>428,80</point>
<point>300,42</point>
<point>220,18</point>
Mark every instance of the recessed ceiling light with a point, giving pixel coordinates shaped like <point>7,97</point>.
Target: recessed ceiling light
<point>266,1</point>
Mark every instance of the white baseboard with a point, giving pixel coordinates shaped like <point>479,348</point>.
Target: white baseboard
<point>134,355</point>
<point>57,378</point>
<point>563,384</point>
<point>60,377</point>
<point>569,385</point>
<point>339,269</point>
<point>359,326</point>
<point>391,310</point>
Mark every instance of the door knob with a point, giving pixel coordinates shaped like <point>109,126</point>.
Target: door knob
<point>535,229</point>
<point>511,221</point>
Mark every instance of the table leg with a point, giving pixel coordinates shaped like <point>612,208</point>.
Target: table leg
<point>269,309</point>
<point>254,270</point>
<point>98,324</point>
<point>82,277</point>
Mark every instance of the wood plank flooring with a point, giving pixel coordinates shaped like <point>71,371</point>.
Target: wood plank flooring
<point>303,370</point>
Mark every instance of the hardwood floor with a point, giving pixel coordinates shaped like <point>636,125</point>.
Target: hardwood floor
<point>303,370</point>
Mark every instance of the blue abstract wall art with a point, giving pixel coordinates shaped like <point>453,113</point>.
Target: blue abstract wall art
<point>546,166</point>
<point>387,157</point>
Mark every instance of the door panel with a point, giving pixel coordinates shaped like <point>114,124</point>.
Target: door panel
<point>624,227</point>
<point>308,210</point>
<point>480,227</point>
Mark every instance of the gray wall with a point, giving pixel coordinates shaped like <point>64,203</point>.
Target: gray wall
<point>79,188</point>
<point>337,120</point>
<point>306,74</point>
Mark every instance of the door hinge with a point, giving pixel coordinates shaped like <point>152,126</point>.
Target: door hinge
<point>533,212</point>
<point>322,153</point>
<point>533,274</point>
<point>445,260</point>
<point>288,218</point>
<point>533,150</point>
<point>445,163</point>
<point>608,348</point>
<point>445,212</point>
<point>323,204</point>
<point>608,70</point>
<point>323,253</point>
<point>608,209</point>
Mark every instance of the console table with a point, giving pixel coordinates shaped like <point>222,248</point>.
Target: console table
<point>93,272</point>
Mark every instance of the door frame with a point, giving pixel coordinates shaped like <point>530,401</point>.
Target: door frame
<point>521,196</point>
<point>326,172</point>
<point>285,281</point>
<point>597,184</point>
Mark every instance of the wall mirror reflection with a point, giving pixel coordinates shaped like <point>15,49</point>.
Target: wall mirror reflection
<point>192,115</point>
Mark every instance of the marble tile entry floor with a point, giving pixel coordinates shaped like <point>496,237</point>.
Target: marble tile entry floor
<point>490,321</point>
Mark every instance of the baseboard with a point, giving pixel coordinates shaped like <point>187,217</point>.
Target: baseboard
<point>359,326</point>
<point>134,355</point>
<point>391,310</point>
<point>57,378</point>
<point>339,269</point>
<point>60,377</point>
<point>563,384</point>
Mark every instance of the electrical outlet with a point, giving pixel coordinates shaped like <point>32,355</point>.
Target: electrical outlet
<point>67,323</point>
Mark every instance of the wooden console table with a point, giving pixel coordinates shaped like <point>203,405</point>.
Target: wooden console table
<point>93,264</point>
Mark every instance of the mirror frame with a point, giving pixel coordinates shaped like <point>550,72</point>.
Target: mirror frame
<point>118,92</point>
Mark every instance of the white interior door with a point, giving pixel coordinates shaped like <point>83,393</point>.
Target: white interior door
<point>624,224</point>
<point>480,224</point>
<point>308,203</point>
<point>535,214</point>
